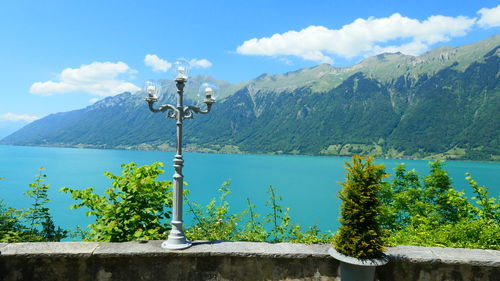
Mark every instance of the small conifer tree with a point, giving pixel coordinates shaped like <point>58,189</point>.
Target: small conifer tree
<point>360,235</point>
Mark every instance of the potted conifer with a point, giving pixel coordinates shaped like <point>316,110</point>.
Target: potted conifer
<point>358,244</point>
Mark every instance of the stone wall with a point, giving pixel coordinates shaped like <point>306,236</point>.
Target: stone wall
<point>135,261</point>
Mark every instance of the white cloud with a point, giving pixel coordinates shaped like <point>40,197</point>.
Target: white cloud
<point>285,60</point>
<point>361,37</point>
<point>489,17</point>
<point>97,78</point>
<point>412,48</point>
<point>18,117</point>
<point>156,63</point>
<point>200,63</point>
<point>94,100</point>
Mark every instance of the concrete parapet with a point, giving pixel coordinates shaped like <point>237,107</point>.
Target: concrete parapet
<point>146,260</point>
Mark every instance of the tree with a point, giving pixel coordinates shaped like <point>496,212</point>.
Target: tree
<point>360,235</point>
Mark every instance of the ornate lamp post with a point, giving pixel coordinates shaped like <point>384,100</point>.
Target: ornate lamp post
<point>177,239</point>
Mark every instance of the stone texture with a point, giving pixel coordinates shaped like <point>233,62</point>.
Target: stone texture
<point>216,248</point>
<point>230,261</point>
<point>433,263</point>
<point>133,248</point>
<point>50,249</point>
<point>401,270</point>
<point>268,250</point>
<point>412,254</point>
<point>2,245</point>
<point>468,256</point>
<point>475,257</point>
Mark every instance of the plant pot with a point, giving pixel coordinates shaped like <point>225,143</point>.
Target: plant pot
<point>353,269</point>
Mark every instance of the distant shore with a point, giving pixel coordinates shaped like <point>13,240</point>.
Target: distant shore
<point>231,149</point>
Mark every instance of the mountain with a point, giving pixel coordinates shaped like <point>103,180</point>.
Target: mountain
<point>442,104</point>
<point>8,127</point>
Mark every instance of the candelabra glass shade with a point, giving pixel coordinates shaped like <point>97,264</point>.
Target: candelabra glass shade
<point>208,92</point>
<point>181,69</point>
<point>152,88</point>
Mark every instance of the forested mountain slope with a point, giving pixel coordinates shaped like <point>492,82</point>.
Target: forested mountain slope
<point>444,104</point>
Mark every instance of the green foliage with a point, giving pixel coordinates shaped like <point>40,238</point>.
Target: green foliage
<point>425,211</point>
<point>313,235</point>
<point>135,207</point>
<point>397,205</point>
<point>279,217</point>
<point>488,207</point>
<point>34,223</point>
<point>482,234</point>
<point>360,234</point>
<point>254,228</point>
<point>39,212</point>
<point>449,205</point>
<point>11,229</point>
<point>430,212</point>
<point>213,222</point>
<point>38,216</point>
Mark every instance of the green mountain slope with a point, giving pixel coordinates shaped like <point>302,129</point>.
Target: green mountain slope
<point>442,104</point>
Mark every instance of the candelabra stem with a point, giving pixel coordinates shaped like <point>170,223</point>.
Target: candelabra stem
<point>177,238</point>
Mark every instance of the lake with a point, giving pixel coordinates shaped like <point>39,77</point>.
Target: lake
<point>308,184</point>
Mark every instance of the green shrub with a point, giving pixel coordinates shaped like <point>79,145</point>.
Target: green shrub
<point>360,235</point>
<point>214,222</point>
<point>482,234</point>
<point>254,229</point>
<point>135,207</point>
<point>11,229</point>
<point>34,223</point>
<point>42,227</point>
<point>430,212</point>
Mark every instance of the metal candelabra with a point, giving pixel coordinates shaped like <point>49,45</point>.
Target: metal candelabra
<point>177,238</point>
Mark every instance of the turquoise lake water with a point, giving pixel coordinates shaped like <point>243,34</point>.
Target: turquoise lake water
<point>307,184</point>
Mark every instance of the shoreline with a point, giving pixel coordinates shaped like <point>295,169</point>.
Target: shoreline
<point>211,151</point>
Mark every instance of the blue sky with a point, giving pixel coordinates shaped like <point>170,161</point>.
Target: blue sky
<point>63,55</point>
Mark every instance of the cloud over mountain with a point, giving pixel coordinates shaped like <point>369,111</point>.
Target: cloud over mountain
<point>18,117</point>
<point>370,36</point>
<point>156,63</point>
<point>200,63</point>
<point>97,78</point>
<point>489,17</point>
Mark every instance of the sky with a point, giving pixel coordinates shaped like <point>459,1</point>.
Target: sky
<point>58,56</point>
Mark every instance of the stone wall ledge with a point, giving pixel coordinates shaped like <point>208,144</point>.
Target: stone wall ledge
<point>223,261</point>
<point>410,254</point>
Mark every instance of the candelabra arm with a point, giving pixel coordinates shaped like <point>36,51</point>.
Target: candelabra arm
<point>189,110</point>
<point>170,109</point>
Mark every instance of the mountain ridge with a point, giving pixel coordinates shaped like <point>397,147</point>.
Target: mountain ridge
<point>441,104</point>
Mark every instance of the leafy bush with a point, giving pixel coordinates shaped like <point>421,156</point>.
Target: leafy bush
<point>360,235</point>
<point>135,207</point>
<point>11,229</point>
<point>430,212</point>
<point>214,222</point>
<point>254,229</point>
<point>30,224</point>
<point>463,234</point>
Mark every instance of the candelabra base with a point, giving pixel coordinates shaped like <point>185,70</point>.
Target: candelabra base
<point>175,245</point>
